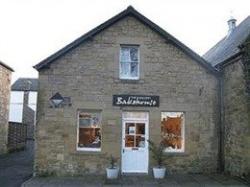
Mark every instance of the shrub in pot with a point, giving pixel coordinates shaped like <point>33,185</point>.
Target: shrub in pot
<point>158,155</point>
<point>112,170</point>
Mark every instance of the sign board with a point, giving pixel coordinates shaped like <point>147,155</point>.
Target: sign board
<point>136,100</point>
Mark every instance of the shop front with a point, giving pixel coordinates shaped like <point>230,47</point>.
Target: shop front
<point>124,83</point>
<point>134,127</point>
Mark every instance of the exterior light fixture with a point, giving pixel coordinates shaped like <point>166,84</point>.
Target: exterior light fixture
<point>56,100</point>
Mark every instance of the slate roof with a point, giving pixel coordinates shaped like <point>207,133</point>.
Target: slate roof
<point>130,11</point>
<point>229,45</point>
<point>6,66</point>
<point>18,85</point>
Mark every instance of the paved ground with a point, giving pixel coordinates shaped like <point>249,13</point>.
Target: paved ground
<point>15,168</point>
<point>137,181</point>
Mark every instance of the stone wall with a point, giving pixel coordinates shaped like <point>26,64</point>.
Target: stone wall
<point>29,120</point>
<point>89,74</point>
<point>17,133</point>
<point>5,79</point>
<point>237,120</point>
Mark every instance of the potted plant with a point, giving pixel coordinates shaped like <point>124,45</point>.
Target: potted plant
<point>112,170</point>
<point>158,155</point>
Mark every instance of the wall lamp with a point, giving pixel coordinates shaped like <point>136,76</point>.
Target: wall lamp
<point>58,101</point>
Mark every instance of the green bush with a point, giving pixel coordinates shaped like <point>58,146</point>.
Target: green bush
<point>157,153</point>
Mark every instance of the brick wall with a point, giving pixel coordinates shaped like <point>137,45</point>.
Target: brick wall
<point>5,79</point>
<point>17,133</point>
<point>89,75</point>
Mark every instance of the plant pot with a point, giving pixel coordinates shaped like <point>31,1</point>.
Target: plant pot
<point>112,173</point>
<point>159,173</point>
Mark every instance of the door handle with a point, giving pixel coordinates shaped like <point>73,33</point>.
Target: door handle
<point>122,150</point>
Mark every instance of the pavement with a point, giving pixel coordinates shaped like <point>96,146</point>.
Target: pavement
<point>195,180</point>
<point>16,167</point>
<point>16,170</point>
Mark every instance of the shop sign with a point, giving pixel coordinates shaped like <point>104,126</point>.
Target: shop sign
<point>136,100</point>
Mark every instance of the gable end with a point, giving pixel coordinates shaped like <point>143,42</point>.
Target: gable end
<point>130,11</point>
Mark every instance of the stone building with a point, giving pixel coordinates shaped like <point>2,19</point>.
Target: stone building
<point>23,103</point>
<point>112,89</point>
<point>5,80</point>
<point>231,56</point>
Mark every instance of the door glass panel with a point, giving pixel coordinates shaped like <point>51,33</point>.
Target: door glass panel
<point>135,135</point>
<point>129,141</point>
<point>140,141</point>
<point>130,128</point>
<point>140,128</point>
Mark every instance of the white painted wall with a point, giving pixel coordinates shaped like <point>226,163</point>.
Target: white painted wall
<point>32,100</point>
<point>16,106</point>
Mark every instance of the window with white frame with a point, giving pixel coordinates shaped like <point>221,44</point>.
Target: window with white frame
<point>129,62</point>
<point>89,131</point>
<point>172,131</point>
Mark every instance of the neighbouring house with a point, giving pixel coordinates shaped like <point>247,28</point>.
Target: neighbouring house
<point>120,84</point>
<point>23,102</point>
<point>5,81</point>
<point>231,56</point>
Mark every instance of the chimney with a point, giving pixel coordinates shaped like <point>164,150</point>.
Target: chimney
<point>26,88</point>
<point>231,25</point>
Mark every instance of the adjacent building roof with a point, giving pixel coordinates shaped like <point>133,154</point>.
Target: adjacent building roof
<point>6,66</point>
<point>130,11</point>
<point>23,84</point>
<point>229,45</point>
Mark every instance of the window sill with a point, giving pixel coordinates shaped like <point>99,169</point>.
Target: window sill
<point>129,78</point>
<point>88,151</point>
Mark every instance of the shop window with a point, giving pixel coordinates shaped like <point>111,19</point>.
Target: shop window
<point>129,62</point>
<point>172,131</point>
<point>89,131</point>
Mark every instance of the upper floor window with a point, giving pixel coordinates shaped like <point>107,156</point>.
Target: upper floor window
<point>129,62</point>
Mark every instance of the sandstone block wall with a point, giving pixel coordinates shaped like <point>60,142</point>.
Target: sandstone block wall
<point>237,120</point>
<point>5,79</point>
<point>89,74</point>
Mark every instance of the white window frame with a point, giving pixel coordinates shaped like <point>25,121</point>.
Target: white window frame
<point>87,148</point>
<point>182,150</point>
<point>120,66</point>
